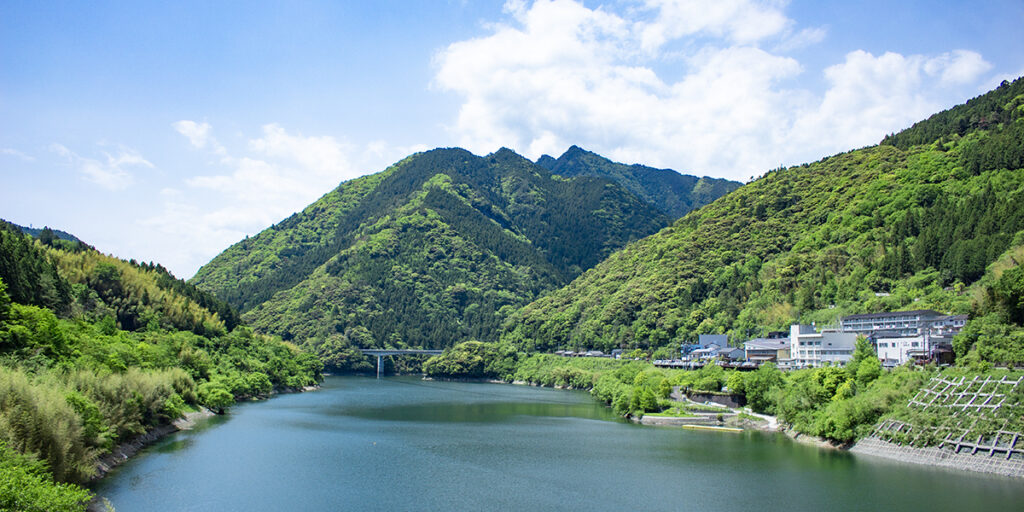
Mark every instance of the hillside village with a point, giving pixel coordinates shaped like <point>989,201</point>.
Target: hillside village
<point>899,337</point>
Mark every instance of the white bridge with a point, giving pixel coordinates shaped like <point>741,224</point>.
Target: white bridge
<point>397,352</point>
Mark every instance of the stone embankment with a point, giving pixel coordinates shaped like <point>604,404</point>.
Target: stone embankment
<point>981,462</point>
<point>122,452</point>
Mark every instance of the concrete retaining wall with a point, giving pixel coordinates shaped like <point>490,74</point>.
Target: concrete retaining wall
<point>981,463</point>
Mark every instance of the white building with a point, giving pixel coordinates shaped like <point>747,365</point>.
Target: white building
<point>809,348</point>
<point>897,350</point>
<point>904,323</point>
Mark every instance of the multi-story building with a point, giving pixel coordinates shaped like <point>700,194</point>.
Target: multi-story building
<point>900,336</point>
<point>894,350</point>
<point>904,323</point>
<point>809,348</point>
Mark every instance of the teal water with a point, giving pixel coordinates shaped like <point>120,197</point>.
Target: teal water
<point>406,444</point>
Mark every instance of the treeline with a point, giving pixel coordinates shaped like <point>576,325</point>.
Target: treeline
<point>989,110</point>
<point>30,276</point>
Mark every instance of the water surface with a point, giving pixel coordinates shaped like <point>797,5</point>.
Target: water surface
<point>406,444</point>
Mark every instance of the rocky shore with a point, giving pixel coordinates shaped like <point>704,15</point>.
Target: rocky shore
<point>124,451</point>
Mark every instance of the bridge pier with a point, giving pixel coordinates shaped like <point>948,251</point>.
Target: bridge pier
<point>380,353</point>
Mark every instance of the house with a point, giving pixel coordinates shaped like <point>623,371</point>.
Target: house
<point>704,341</point>
<point>809,348</point>
<point>730,353</point>
<point>761,350</point>
<point>704,353</point>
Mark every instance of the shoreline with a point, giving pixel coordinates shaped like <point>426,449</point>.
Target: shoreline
<point>865,447</point>
<point>868,447</point>
<point>123,452</point>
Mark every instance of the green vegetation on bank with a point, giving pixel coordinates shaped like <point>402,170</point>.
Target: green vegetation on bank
<point>839,404</point>
<point>26,485</point>
<point>95,351</point>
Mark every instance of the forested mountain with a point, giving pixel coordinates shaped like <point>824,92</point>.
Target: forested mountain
<point>673,193</point>
<point>910,223</point>
<point>438,248</point>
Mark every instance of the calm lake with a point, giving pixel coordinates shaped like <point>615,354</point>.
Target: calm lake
<point>401,443</point>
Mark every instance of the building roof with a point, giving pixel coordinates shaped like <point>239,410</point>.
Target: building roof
<point>766,343</point>
<point>887,314</point>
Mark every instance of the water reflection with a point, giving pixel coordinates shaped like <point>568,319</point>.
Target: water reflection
<point>405,444</point>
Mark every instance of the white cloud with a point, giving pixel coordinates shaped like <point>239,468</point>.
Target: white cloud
<point>803,38</point>
<point>255,183</point>
<point>559,73</point>
<point>16,153</point>
<point>111,173</point>
<point>737,21</point>
<point>957,67</point>
<point>197,133</point>
<point>323,156</point>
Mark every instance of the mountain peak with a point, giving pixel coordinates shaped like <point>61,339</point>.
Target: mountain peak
<point>671,192</point>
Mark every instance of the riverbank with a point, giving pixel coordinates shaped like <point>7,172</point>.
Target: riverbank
<point>125,451</point>
<point>480,380</point>
<point>747,420</point>
<point>122,452</point>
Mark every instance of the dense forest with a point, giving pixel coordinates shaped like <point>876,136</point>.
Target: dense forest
<point>671,192</point>
<point>439,248</point>
<point>882,228</point>
<point>95,351</point>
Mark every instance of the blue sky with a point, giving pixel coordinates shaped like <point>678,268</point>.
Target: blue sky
<point>167,132</point>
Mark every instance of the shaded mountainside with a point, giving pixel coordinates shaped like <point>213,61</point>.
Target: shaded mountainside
<point>895,226</point>
<point>673,193</point>
<point>438,248</point>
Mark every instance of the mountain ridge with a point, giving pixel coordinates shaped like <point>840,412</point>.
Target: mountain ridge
<point>671,191</point>
<point>437,248</point>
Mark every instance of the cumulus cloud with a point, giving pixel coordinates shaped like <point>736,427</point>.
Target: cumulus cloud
<point>256,183</point>
<point>702,85</point>
<point>957,67</point>
<point>737,21</point>
<point>278,167</point>
<point>112,172</point>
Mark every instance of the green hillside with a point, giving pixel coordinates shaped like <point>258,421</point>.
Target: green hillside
<point>911,223</point>
<point>673,193</point>
<point>438,248</point>
<point>95,351</point>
